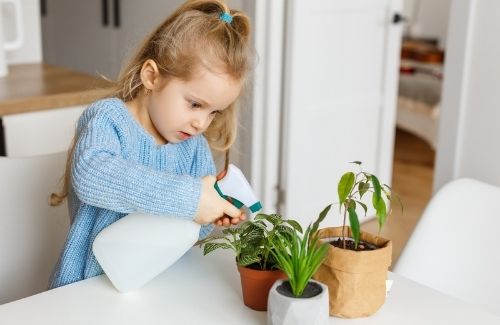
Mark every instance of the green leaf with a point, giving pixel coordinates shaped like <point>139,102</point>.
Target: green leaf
<point>254,236</point>
<point>260,216</point>
<point>210,239</point>
<point>381,213</point>
<point>232,231</point>
<point>210,247</point>
<point>354,221</point>
<point>377,195</point>
<point>258,224</point>
<point>357,162</point>
<point>245,260</point>
<point>281,229</point>
<point>294,224</point>
<point>363,206</point>
<point>274,219</point>
<point>363,187</point>
<point>321,217</point>
<point>345,186</point>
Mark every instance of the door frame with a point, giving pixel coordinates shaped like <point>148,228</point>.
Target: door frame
<point>454,97</point>
<point>267,101</point>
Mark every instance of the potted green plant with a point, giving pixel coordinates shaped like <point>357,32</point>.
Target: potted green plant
<point>299,300</point>
<point>357,262</point>
<point>252,244</point>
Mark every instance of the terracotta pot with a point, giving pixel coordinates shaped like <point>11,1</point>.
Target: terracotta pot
<point>255,286</point>
<point>355,279</point>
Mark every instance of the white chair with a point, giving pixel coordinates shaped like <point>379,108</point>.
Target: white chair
<point>31,231</point>
<point>455,246</point>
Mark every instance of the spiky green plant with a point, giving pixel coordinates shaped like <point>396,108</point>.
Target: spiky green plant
<point>251,241</point>
<point>351,189</point>
<point>300,256</point>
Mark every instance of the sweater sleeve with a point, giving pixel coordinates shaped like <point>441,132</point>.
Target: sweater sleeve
<point>102,177</point>
<point>204,165</point>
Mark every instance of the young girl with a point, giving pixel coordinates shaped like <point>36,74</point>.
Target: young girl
<point>146,149</point>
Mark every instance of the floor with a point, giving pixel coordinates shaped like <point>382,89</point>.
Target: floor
<point>412,179</point>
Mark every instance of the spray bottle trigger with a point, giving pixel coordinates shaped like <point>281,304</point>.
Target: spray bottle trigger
<point>231,200</point>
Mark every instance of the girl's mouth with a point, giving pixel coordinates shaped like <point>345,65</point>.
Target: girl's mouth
<point>184,135</point>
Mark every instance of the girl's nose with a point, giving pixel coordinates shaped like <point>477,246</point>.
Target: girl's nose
<point>200,122</point>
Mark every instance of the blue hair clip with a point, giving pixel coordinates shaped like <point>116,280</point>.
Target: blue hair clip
<point>226,17</point>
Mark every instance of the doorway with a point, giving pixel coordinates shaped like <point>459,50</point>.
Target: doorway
<point>419,99</point>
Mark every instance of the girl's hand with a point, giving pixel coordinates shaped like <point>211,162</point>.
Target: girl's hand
<point>213,207</point>
<point>226,221</point>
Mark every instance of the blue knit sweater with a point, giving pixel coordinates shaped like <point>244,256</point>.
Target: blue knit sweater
<point>119,169</point>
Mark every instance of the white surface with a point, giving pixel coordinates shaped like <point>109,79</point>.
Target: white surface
<point>31,232</point>
<point>468,128</point>
<point>138,247</point>
<point>31,49</point>
<point>428,19</point>
<point>342,62</point>
<point>206,290</point>
<point>447,253</point>
<point>283,310</point>
<point>39,133</point>
<point>17,40</point>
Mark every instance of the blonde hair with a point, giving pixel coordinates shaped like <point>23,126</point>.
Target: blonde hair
<point>193,36</point>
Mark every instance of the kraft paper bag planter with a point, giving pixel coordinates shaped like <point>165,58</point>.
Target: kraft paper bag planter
<point>355,279</point>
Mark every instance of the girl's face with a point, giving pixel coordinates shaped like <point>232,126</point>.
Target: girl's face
<point>182,109</point>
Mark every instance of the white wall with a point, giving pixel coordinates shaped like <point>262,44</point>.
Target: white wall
<point>428,18</point>
<point>468,139</point>
<point>31,51</point>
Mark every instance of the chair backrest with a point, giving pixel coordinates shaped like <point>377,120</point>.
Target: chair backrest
<point>31,232</point>
<point>454,247</point>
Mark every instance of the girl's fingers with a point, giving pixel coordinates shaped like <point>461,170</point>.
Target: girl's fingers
<point>231,210</point>
<point>221,175</point>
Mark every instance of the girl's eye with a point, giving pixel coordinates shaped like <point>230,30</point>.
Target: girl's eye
<point>194,104</point>
<point>215,113</point>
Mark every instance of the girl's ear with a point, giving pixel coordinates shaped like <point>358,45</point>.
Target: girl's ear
<point>150,76</point>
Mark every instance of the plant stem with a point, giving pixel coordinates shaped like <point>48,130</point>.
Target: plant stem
<point>343,227</point>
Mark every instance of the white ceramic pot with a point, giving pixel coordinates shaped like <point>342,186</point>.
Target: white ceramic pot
<point>283,310</point>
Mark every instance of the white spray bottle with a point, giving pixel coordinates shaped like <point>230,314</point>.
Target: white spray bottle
<point>138,247</point>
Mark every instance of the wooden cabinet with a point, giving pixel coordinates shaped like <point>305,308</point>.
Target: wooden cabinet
<point>40,105</point>
<point>42,132</point>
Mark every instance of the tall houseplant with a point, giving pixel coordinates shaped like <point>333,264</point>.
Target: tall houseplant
<point>299,300</point>
<point>252,245</point>
<point>356,265</point>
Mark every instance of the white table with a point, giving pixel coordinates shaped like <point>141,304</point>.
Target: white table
<point>206,290</point>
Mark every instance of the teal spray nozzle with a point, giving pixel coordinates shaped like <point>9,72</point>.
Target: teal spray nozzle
<point>138,247</point>
<point>235,188</point>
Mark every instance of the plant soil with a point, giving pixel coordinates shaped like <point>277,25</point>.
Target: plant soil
<point>257,266</point>
<point>349,244</point>
<point>312,289</point>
